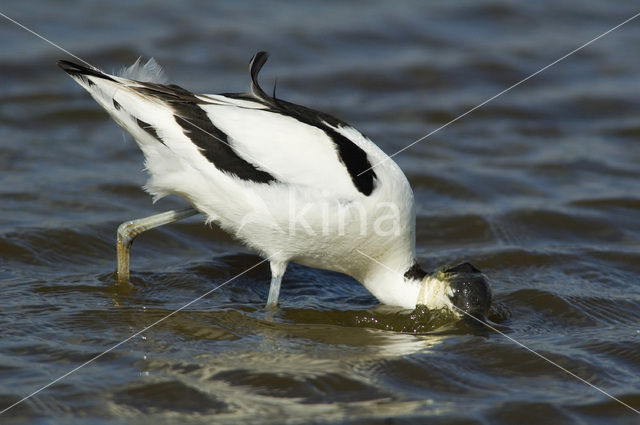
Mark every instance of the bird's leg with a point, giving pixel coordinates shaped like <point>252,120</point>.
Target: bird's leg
<point>277,271</point>
<point>128,231</point>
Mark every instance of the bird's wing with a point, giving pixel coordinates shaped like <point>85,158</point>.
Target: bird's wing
<point>294,150</point>
<point>251,137</point>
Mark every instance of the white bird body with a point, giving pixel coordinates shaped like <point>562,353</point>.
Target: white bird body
<point>291,183</point>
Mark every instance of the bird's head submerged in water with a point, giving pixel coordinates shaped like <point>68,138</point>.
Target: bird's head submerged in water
<point>470,289</point>
<point>463,288</point>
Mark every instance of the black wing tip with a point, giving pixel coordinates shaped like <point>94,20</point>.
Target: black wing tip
<point>70,67</point>
<point>73,68</point>
<point>255,66</point>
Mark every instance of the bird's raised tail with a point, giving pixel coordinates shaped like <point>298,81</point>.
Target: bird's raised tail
<point>132,104</point>
<point>122,98</point>
<point>150,71</point>
<point>100,85</point>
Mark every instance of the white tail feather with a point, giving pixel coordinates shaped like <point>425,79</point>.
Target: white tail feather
<point>150,72</point>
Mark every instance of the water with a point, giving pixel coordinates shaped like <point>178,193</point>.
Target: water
<point>538,188</point>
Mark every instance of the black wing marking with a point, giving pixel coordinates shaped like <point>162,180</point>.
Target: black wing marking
<point>191,117</point>
<point>351,155</point>
<point>214,143</point>
<point>151,130</point>
<point>82,71</point>
<point>196,125</point>
<point>415,272</point>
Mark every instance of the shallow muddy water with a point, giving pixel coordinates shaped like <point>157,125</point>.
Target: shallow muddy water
<point>539,188</point>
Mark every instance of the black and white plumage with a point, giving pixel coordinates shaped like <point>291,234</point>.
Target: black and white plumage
<point>292,183</point>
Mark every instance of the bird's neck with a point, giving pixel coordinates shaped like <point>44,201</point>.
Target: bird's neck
<point>394,280</point>
<point>405,284</point>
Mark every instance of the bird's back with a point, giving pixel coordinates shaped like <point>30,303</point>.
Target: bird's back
<point>281,177</point>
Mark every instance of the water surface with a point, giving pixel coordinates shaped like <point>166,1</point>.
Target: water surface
<point>539,189</point>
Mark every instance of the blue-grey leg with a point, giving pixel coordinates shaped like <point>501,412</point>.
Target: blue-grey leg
<point>277,271</point>
<point>128,231</point>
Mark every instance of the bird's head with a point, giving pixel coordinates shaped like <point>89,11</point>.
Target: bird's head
<point>462,288</point>
<point>470,290</point>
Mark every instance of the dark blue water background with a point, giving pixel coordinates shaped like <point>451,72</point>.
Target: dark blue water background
<point>539,188</point>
